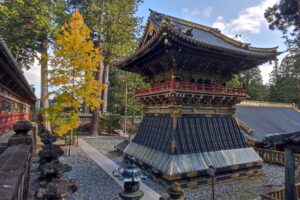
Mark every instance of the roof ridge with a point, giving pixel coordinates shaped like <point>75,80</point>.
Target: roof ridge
<point>216,32</point>
<point>181,19</point>
<point>268,104</point>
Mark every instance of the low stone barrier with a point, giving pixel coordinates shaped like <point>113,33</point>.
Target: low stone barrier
<point>15,166</point>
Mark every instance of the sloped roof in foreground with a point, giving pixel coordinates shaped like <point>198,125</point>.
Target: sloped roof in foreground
<point>259,119</point>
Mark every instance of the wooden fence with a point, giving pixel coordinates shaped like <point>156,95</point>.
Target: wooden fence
<point>279,194</point>
<point>275,157</point>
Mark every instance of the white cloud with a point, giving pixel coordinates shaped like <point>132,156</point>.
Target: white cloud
<point>184,11</point>
<point>33,76</point>
<point>249,20</point>
<point>207,11</point>
<point>190,14</point>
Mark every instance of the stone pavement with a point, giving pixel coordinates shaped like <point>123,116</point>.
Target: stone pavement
<point>108,166</point>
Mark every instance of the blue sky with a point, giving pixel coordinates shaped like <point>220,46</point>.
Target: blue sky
<point>245,17</point>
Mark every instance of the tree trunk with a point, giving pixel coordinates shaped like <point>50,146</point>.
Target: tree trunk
<point>105,92</point>
<point>44,83</point>
<point>94,131</point>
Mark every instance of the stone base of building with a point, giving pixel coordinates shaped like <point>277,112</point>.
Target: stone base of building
<point>182,148</point>
<point>199,178</point>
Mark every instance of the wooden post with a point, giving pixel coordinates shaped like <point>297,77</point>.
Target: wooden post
<point>290,193</point>
<point>126,101</point>
<point>173,83</point>
<point>212,188</point>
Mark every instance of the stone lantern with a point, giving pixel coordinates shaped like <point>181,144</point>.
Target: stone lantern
<point>175,192</point>
<point>131,176</point>
<point>21,129</point>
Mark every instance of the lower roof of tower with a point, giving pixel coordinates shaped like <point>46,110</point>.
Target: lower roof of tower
<point>164,34</point>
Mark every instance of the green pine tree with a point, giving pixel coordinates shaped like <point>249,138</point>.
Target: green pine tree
<point>251,80</point>
<point>28,26</point>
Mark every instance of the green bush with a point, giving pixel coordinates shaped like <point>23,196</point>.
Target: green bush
<point>109,122</point>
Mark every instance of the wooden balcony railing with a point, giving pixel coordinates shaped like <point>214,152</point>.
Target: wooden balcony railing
<point>7,120</point>
<point>279,194</point>
<point>275,157</point>
<point>190,87</point>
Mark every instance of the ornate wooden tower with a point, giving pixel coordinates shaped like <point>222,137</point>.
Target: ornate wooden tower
<point>189,121</point>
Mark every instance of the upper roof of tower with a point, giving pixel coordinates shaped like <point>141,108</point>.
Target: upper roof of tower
<point>163,32</point>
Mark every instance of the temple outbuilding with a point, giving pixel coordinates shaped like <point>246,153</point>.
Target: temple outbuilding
<point>16,95</point>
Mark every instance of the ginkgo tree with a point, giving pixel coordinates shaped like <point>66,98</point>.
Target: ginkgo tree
<point>74,66</point>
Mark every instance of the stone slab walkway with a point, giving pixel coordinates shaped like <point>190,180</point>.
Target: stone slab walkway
<point>4,137</point>
<point>108,166</point>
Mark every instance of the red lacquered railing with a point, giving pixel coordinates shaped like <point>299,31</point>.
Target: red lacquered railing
<point>7,120</point>
<point>190,87</point>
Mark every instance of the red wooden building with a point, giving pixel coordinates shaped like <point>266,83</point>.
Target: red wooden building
<point>16,95</point>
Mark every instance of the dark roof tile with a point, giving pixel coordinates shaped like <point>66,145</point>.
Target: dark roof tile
<point>208,35</point>
<point>268,118</point>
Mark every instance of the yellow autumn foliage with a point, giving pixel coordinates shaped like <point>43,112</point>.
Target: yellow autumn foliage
<point>74,65</point>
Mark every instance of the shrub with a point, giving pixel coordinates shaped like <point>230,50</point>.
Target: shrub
<point>109,122</point>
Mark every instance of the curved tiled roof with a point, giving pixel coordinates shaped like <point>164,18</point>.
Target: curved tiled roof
<point>198,37</point>
<point>208,35</point>
<point>266,118</point>
<point>15,67</point>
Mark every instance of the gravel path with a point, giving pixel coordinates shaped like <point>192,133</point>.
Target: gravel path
<point>93,182</point>
<point>243,189</point>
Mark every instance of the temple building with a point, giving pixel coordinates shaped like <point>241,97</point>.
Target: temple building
<point>16,95</point>
<point>189,123</point>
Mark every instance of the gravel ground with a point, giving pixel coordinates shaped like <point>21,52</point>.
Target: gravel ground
<point>93,182</point>
<point>104,144</point>
<point>243,189</point>
<point>34,174</point>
